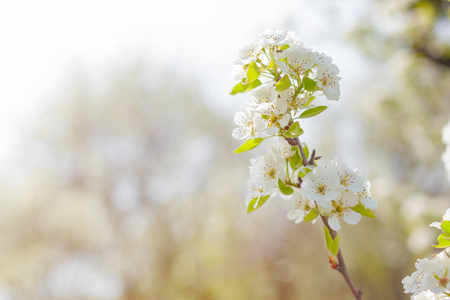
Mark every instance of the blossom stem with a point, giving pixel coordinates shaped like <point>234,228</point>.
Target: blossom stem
<point>341,267</point>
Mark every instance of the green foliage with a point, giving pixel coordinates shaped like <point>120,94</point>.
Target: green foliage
<point>286,190</point>
<point>306,151</point>
<point>253,72</point>
<point>328,238</point>
<point>445,225</point>
<point>363,211</point>
<point>249,145</point>
<point>332,245</point>
<point>443,240</point>
<point>283,84</point>
<point>295,159</point>
<point>313,112</point>
<point>311,216</point>
<point>294,131</point>
<point>271,63</point>
<point>242,88</point>
<point>309,84</point>
<point>259,200</point>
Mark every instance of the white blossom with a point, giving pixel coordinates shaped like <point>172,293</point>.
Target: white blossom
<point>429,295</point>
<point>266,169</point>
<point>328,80</point>
<point>299,59</point>
<point>432,274</point>
<point>340,209</point>
<point>282,148</point>
<point>349,180</point>
<point>275,37</point>
<point>365,197</point>
<point>321,186</point>
<point>247,54</point>
<point>301,206</point>
<point>251,125</point>
<point>266,100</point>
<point>287,96</point>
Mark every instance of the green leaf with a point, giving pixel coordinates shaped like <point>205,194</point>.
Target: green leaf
<point>307,170</point>
<point>259,200</point>
<point>295,159</point>
<point>294,131</point>
<point>311,216</point>
<point>242,88</point>
<point>271,63</point>
<point>284,47</point>
<point>283,84</point>
<point>445,225</point>
<point>306,151</point>
<point>444,241</point>
<point>363,211</point>
<point>334,247</point>
<point>252,72</point>
<point>313,112</point>
<point>310,85</point>
<point>287,190</point>
<point>310,100</point>
<point>328,238</point>
<point>248,145</point>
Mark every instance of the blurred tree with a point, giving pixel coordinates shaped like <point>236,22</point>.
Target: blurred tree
<point>404,112</point>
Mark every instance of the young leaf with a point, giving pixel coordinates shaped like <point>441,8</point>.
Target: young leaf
<point>284,47</point>
<point>334,247</point>
<point>286,190</point>
<point>328,238</point>
<point>363,211</point>
<point>271,63</point>
<point>295,128</point>
<point>295,159</point>
<point>310,100</point>
<point>294,131</point>
<point>311,216</point>
<point>248,145</point>
<point>445,225</point>
<point>252,72</point>
<point>312,112</point>
<point>306,150</point>
<point>283,84</point>
<point>309,84</point>
<point>259,201</point>
<point>444,241</point>
<point>242,88</point>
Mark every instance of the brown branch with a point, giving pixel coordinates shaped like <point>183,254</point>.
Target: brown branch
<point>440,60</point>
<point>341,264</point>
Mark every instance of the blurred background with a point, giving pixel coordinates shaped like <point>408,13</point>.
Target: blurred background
<point>117,175</point>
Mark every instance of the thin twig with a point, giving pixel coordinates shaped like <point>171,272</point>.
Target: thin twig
<point>341,263</point>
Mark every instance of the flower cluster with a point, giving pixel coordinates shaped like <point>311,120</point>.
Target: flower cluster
<point>282,75</point>
<point>431,281</point>
<point>339,193</point>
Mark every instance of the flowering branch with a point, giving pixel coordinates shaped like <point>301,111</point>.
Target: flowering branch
<point>284,78</point>
<point>341,267</point>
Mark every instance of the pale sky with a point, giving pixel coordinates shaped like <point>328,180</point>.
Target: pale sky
<point>43,43</point>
